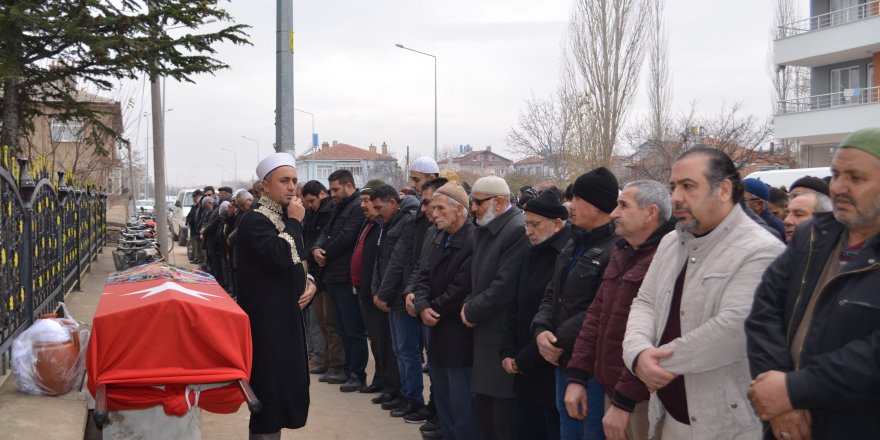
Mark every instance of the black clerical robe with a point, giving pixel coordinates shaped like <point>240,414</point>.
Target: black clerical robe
<point>270,278</point>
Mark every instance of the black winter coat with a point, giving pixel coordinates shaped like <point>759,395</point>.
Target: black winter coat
<point>443,287</point>
<point>500,248</point>
<point>562,310</point>
<point>339,237</point>
<point>536,381</point>
<point>368,261</point>
<point>313,225</point>
<point>838,374</point>
<point>395,260</point>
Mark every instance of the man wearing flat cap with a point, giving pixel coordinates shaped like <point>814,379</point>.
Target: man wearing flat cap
<point>814,331</point>
<point>576,277</point>
<point>499,250</point>
<point>533,377</point>
<point>808,196</point>
<point>273,290</point>
<point>440,290</point>
<point>642,217</point>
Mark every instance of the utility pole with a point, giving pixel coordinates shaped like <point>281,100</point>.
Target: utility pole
<point>284,78</point>
<point>159,209</point>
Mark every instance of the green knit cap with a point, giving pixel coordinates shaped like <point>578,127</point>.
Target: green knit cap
<point>866,139</point>
<point>371,185</point>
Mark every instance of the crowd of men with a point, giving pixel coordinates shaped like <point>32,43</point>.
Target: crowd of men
<point>704,307</point>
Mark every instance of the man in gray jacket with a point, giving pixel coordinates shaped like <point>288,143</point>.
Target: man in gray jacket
<point>684,337</point>
<point>500,247</point>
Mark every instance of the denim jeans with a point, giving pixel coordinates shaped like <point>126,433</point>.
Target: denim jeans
<point>455,402</point>
<point>405,342</point>
<point>350,327</point>
<point>591,427</point>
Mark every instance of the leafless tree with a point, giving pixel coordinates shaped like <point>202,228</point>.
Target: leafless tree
<point>740,136</point>
<point>581,152</point>
<point>789,82</point>
<point>543,132</point>
<point>390,172</point>
<point>606,41</point>
<point>659,85</point>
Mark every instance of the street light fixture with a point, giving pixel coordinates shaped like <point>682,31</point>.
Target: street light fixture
<point>234,162</point>
<point>435,91</point>
<point>313,125</point>
<point>258,147</point>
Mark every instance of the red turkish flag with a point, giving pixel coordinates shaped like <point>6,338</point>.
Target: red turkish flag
<point>172,334</point>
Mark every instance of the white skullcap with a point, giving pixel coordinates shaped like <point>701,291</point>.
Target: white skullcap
<point>224,206</point>
<point>425,165</point>
<point>491,185</point>
<point>273,161</point>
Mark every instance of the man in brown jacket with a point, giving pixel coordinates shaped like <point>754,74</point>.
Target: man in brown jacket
<point>642,218</point>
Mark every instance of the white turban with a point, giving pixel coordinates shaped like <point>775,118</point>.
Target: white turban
<point>425,165</point>
<point>273,161</point>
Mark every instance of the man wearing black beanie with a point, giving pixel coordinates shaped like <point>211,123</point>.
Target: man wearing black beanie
<point>576,278</point>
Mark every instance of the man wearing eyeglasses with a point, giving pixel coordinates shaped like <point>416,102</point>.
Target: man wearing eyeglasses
<point>576,278</point>
<point>499,250</point>
<point>534,380</point>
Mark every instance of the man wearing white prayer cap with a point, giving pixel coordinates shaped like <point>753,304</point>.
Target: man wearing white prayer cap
<point>422,170</point>
<point>273,287</point>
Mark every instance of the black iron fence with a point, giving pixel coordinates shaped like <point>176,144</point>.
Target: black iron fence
<point>50,232</point>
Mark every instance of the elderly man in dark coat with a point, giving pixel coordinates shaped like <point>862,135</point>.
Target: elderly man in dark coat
<point>273,292</point>
<point>534,379</point>
<point>439,292</point>
<point>500,247</point>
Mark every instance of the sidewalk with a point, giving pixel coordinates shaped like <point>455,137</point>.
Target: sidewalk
<point>332,415</point>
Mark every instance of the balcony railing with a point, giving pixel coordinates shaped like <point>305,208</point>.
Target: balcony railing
<point>848,97</point>
<point>830,19</point>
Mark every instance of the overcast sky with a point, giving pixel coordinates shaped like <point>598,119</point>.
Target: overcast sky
<point>491,56</point>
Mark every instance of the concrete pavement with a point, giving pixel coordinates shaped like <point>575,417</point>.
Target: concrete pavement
<point>333,415</point>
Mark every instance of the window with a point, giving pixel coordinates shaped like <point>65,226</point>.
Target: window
<point>357,170</point>
<point>70,131</point>
<point>499,171</point>
<point>324,171</point>
<point>843,80</point>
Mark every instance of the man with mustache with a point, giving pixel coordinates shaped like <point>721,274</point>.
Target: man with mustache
<point>684,335</point>
<point>500,246</point>
<point>273,290</point>
<point>814,331</point>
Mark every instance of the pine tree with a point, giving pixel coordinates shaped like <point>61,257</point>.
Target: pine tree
<point>46,46</point>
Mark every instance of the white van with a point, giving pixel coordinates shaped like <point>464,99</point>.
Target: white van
<point>780,178</point>
<point>177,222</point>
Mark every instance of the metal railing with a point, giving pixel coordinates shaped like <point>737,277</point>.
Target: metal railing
<point>830,19</point>
<point>50,232</point>
<point>848,97</point>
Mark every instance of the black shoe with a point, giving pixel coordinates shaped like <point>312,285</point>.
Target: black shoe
<point>409,408</point>
<point>431,425</point>
<point>382,398</point>
<point>370,389</point>
<point>418,416</point>
<point>353,384</point>
<point>432,435</point>
<point>394,403</point>
<point>318,370</point>
<point>334,376</point>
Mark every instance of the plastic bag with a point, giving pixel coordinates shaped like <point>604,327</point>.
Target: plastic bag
<point>49,357</point>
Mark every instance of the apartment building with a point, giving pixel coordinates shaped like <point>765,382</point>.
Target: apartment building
<point>840,44</point>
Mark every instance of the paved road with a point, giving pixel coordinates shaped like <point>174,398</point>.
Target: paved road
<point>332,415</point>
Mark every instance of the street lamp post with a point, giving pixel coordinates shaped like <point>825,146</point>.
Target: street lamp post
<point>435,91</point>
<point>234,162</point>
<point>258,148</point>
<point>312,142</point>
